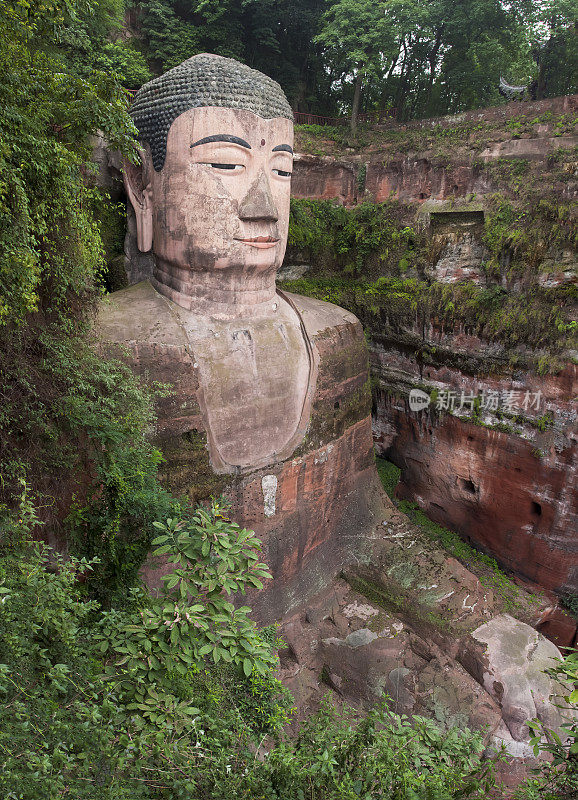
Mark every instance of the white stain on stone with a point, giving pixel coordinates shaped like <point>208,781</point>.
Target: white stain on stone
<point>269,487</point>
<point>322,455</point>
<point>466,607</point>
<point>399,535</point>
<point>360,610</point>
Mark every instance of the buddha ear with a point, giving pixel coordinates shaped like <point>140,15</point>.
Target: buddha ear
<point>139,190</point>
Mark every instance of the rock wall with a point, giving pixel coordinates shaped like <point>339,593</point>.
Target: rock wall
<point>327,179</point>
<point>507,482</point>
<point>508,485</point>
<point>421,161</point>
<point>490,485</point>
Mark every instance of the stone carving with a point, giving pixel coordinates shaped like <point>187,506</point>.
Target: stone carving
<point>271,396</point>
<point>270,405</point>
<point>214,208</point>
<point>204,81</point>
<point>512,92</point>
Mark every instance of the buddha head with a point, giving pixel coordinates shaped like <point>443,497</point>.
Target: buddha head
<point>211,193</point>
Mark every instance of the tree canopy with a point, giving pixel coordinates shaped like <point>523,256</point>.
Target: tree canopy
<point>424,58</point>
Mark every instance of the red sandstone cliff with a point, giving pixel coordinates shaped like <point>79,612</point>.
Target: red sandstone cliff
<point>505,482</point>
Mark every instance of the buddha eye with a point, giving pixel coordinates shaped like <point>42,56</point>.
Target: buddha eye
<point>282,173</point>
<point>231,167</point>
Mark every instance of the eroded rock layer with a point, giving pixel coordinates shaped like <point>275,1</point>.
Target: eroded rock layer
<point>481,305</point>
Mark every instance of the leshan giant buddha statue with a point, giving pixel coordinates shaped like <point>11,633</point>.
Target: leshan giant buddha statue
<point>270,401</point>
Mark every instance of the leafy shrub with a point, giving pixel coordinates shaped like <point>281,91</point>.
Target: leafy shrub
<point>89,420</point>
<point>208,557</point>
<point>111,705</point>
<point>120,705</point>
<point>559,778</point>
<point>383,756</point>
<point>57,730</point>
<point>50,247</point>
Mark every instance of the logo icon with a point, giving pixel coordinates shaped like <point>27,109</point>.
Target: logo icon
<point>418,400</point>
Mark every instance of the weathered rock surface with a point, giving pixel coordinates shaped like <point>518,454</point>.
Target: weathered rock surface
<point>511,664</point>
<point>509,483</point>
<point>558,626</point>
<point>357,649</point>
<point>515,494</point>
<point>440,649</point>
<point>314,506</point>
<point>325,179</point>
<point>461,258</point>
<point>381,172</point>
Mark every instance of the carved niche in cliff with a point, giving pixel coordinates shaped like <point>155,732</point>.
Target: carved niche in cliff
<point>270,399</point>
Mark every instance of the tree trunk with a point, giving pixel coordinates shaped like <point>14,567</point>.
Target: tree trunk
<point>433,57</point>
<point>399,95</point>
<point>356,99</point>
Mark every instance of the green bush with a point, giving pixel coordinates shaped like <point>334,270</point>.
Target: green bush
<point>73,424</point>
<point>383,756</point>
<point>354,240</point>
<point>119,704</point>
<point>558,779</point>
<point>50,248</point>
<point>132,703</point>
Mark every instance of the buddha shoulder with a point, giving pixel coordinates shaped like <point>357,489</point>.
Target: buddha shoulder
<point>320,317</point>
<point>139,314</point>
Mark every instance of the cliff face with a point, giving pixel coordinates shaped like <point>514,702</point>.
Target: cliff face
<point>460,263</point>
<point>478,312</point>
<point>454,241</point>
<point>437,159</point>
<point>512,493</point>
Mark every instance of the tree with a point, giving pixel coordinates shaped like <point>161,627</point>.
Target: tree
<point>274,37</point>
<point>555,43</point>
<point>424,58</point>
<point>359,35</point>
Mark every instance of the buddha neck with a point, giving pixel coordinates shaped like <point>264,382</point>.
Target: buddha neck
<point>224,294</point>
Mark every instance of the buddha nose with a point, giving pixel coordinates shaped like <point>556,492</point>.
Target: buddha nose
<point>258,203</point>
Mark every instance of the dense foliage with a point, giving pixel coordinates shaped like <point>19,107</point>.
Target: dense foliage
<point>73,425</point>
<point>121,704</point>
<point>172,696</point>
<point>363,240</point>
<point>50,248</point>
<point>421,58</point>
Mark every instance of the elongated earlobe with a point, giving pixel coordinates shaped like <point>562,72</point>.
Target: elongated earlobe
<point>139,190</point>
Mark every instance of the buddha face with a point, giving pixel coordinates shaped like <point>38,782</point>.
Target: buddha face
<point>221,200</point>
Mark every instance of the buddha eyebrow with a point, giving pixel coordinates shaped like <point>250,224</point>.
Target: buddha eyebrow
<point>223,137</point>
<point>285,148</point>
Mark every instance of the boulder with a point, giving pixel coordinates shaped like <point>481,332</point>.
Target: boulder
<point>509,659</point>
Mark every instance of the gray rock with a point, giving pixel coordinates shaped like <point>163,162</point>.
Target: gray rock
<point>292,272</point>
<point>512,671</point>
<point>360,638</point>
